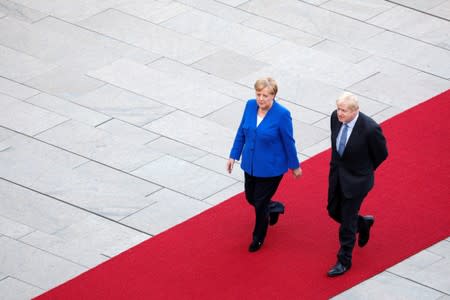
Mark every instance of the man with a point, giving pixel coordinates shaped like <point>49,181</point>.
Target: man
<point>358,148</point>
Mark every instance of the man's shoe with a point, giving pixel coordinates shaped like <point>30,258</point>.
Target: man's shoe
<point>364,235</point>
<point>338,269</point>
<point>254,246</point>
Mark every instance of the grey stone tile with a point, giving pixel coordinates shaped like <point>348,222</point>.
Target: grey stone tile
<point>232,2</point>
<point>20,67</point>
<point>389,286</point>
<point>306,135</point>
<point>314,20</point>
<point>128,133</point>
<point>386,114</point>
<point>302,113</point>
<point>415,24</point>
<point>153,11</point>
<point>401,92</point>
<point>15,89</point>
<point>382,65</point>
<point>341,51</point>
<point>35,211</point>
<point>149,36</point>
<point>410,52</point>
<point>124,105</point>
<point>442,248</point>
<point>64,83</point>
<point>99,189</point>
<point>26,118</point>
<point>435,276</point>
<point>13,229</point>
<point>110,238</point>
<point>74,249</point>
<point>98,145</point>
<point>292,60</point>
<point>219,9</point>
<point>61,43</point>
<point>442,10</point>
<point>35,266</point>
<point>13,289</point>
<point>218,165</point>
<point>419,4</point>
<point>361,10</point>
<point>200,79</point>
<point>282,31</point>
<point>69,11</point>
<point>68,109</point>
<point>20,12</point>
<point>169,209</point>
<point>229,116</point>
<point>19,152</point>
<point>5,134</point>
<point>415,263</point>
<point>171,172</point>
<point>317,147</point>
<point>199,133</point>
<point>316,2</point>
<point>231,36</point>
<point>176,149</point>
<point>225,194</point>
<point>229,65</point>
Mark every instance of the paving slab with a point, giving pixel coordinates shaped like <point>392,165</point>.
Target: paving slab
<point>20,67</point>
<point>20,12</point>
<point>130,134</point>
<point>176,149</point>
<point>16,90</point>
<point>415,24</point>
<point>361,10</point>
<point>27,118</point>
<point>25,263</point>
<point>442,10</point>
<point>13,289</point>
<point>68,109</point>
<point>171,172</point>
<point>389,286</point>
<point>124,105</point>
<point>149,36</point>
<point>13,229</point>
<point>153,11</point>
<point>169,208</point>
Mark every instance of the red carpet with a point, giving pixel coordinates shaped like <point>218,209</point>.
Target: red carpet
<point>206,257</point>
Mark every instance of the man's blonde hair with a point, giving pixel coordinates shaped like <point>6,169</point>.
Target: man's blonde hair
<point>350,99</point>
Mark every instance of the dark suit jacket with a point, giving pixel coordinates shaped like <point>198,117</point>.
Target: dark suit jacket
<point>365,151</point>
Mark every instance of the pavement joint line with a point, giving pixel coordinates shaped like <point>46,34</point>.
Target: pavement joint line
<point>418,10</point>
<point>414,281</point>
<point>75,206</point>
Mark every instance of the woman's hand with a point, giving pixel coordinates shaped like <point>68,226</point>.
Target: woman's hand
<point>230,164</point>
<point>297,172</point>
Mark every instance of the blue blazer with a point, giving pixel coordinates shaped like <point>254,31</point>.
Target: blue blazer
<point>269,149</point>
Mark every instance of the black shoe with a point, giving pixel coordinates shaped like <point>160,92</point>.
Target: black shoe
<point>275,208</point>
<point>254,246</point>
<point>338,269</point>
<point>273,218</point>
<point>364,235</point>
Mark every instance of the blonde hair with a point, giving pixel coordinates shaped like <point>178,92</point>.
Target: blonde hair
<point>267,82</point>
<point>350,99</point>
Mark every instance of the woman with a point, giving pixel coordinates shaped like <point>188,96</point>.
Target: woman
<point>265,140</point>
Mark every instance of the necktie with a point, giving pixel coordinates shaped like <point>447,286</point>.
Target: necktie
<point>343,139</point>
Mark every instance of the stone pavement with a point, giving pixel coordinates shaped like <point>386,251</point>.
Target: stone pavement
<point>117,115</point>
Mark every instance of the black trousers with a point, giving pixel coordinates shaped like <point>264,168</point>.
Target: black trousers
<point>347,215</point>
<point>259,192</point>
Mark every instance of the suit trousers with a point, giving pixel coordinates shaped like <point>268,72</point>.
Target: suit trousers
<point>259,192</point>
<point>350,224</point>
